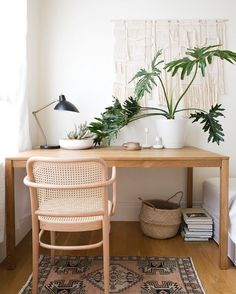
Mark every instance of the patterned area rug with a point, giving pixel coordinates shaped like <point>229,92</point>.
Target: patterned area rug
<point>144,275</point>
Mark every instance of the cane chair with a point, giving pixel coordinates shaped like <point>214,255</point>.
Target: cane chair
<point>70,195</point>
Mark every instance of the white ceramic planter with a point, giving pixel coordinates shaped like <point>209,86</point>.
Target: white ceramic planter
<point>76,144</point>
<point>172,131</point>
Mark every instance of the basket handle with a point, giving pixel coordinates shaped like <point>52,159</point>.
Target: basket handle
<point>146,202</point>
<point>180,193</point>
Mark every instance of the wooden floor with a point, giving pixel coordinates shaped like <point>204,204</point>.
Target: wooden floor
<point>127,239</point>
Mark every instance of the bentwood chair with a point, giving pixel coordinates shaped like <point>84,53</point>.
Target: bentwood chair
<point>70,195</point>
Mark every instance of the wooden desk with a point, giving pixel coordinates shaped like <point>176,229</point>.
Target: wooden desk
<point>188,157</point>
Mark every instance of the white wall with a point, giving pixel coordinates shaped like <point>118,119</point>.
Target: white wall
<point>76,58</point>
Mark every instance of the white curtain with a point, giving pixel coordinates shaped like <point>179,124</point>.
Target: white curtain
<point>14,126</point>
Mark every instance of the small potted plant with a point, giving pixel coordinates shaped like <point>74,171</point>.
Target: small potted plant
<point>195,60</point>
<point>78,138</point>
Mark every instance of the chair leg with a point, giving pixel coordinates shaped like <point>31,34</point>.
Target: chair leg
<point>35,251</point>
<point>52,242</point>
<point>106,256</point>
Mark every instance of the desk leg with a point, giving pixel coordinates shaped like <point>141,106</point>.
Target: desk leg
<point>189,187</point>
<point>10,214</point>
<point>224,214</point>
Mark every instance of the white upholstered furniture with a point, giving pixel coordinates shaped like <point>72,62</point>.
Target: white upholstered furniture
<point>211,200</point>
<point>69,195</point>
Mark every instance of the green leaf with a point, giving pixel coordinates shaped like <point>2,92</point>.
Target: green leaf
<point>146,80</point>
<point>210,123</point>
<point>209,58</point>
<point>200,56</point>
<point>154,64</point>
<point>113,119</point>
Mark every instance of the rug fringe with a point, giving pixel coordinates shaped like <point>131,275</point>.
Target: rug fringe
<point>29,278</point>
<point>25,285</point>
<point>197,277</point>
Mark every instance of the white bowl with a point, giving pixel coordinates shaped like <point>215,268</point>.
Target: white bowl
<point>76,144</point>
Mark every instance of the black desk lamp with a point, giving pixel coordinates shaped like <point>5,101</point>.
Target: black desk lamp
<point>62,104</point>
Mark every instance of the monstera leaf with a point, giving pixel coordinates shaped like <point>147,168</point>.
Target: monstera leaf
<point>210,123</point>
<point>146,79</point>
<point>199,57</point>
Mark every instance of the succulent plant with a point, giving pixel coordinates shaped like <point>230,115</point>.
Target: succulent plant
<point>80,132</point>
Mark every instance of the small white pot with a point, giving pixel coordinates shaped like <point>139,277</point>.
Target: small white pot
<point>76,144</point>
<point>172,131</point>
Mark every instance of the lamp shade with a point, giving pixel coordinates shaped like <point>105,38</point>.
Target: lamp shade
<point>63,104</point>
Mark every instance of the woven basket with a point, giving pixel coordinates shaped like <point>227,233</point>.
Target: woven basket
<point>160,219</point>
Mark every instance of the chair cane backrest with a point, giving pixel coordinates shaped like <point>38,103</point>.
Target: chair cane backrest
<point>64,185</point>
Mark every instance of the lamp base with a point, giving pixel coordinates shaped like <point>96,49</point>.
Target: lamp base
<point>49,146</point>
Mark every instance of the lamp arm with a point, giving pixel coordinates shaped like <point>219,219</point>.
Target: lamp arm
<point>36,111</point>
<point>37,120</point>
<point>40,127</point>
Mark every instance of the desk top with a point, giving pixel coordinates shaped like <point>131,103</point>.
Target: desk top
<point>184,157</point>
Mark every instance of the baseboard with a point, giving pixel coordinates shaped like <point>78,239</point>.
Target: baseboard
<point>3,251</point>
<point>22,228</point>
<point>129,211</point>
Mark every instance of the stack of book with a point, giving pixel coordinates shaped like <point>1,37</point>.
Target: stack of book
<point>197,224</point>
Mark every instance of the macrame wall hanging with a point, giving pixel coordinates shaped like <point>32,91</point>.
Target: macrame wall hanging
<point>137,41</point>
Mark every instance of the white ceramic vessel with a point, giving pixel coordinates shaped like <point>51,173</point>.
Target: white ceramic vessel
<point>172,131</point>
<point>76,144</point>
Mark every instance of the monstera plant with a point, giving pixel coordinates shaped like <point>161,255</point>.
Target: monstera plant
<point>195,60</point>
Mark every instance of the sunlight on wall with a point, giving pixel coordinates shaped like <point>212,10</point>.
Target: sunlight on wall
<point>13,36</point>
<point>8,137</point>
